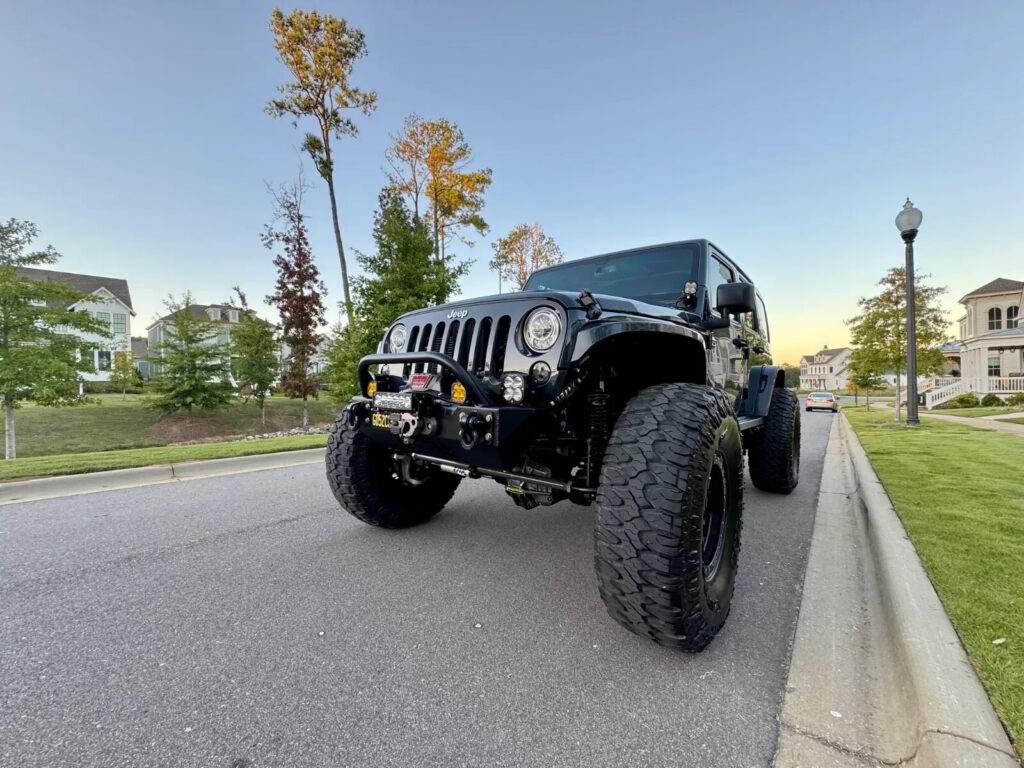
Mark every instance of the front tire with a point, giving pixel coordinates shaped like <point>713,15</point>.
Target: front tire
<point>669,511</point>
<point>774,452</point>
<point>364,480</point>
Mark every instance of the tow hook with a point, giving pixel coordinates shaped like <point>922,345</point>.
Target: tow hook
<point>408,426</point>
<point>473,428</point>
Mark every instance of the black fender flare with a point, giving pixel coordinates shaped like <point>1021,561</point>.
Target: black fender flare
<point>757,397</point>
<point>592,333</point>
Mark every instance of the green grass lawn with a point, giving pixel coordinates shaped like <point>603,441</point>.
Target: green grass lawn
<point>1012,421</point>
<point>77,463</point>
<point>973,412</point>
<point>111,424</point>
<point>958,491</point>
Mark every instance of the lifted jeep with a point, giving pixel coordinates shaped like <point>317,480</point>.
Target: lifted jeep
<point>632,380</point>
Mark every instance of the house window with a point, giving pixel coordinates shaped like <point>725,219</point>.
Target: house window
<point>1012,318</point>
<point>993,367</point>
<point>103,361</point>
<point>995,319</point>
<point>103,317</point>
<point>214,313</point>
<point>232,315</point>
<point>120,324</point>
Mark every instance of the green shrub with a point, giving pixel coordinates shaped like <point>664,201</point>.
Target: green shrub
<point>107,388</point>
<point>990,400</point>
<point>1017,398</point>
<point>966,400</point>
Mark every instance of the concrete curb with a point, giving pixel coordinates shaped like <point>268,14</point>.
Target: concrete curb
<point>878,675</point>
<point>93,482</point>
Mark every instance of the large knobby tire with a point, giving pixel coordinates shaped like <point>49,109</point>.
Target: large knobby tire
<point>669,512</point>
<point>364,481</point>
<point>774,452</point>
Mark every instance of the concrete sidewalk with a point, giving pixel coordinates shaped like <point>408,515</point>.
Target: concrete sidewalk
<point>990,423</point>
<point>71,485</point>
<point>878,676</point>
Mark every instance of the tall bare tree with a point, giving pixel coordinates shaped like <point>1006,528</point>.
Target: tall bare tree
<point>320,51</point>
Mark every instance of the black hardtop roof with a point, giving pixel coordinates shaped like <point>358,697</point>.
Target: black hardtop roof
<point>701,241</point>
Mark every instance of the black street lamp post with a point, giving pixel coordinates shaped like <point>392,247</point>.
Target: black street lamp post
<point>908,222</point>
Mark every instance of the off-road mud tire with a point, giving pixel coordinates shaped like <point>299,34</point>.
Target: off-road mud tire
<point>362,477</point>
<point>668,443</point>
<point>774,451</point>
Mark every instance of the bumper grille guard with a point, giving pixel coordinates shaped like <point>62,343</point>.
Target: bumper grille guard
<point>473,388</point>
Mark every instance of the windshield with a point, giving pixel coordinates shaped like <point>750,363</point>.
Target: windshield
<point>655,275</point>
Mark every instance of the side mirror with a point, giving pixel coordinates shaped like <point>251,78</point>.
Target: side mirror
<point>735,298</point>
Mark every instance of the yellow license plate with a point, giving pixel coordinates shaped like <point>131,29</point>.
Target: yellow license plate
<point>382,420</point>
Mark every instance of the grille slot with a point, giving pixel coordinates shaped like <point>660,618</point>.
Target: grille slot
<point>464,343</point>
<point>500,345</point>
<point>449,342</point>
<point>481,346</point>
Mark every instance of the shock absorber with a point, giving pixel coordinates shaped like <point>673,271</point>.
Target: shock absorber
<point>597,439</point>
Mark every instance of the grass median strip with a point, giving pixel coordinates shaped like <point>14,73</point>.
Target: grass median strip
<point>958,492</point>
<point>77,463</point>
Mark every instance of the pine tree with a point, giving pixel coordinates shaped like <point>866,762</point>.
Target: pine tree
<point>191,365</point>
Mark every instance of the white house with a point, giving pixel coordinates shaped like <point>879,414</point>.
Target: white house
<point>990,350</point>
<point>109,301</point>
<point>224,315</point>
<point>826,370</point>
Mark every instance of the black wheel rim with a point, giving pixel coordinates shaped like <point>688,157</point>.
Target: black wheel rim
<point>712,537</point>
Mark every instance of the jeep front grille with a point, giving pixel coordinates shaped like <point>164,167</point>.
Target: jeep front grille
<point>478,344</point>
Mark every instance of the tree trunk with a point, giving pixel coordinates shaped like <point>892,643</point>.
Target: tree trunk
<point>337,230</point>
<point>305,411</point>
<point>12,451</point>
<point>897,396</point>
<point>263,410</point>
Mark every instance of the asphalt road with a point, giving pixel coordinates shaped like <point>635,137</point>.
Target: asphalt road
<point>244,621</point>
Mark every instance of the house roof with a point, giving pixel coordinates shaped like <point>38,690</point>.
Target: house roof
<point>997,286</point>
<point>82,283</point>
<point>1019,331</point>
<point>198,310</point>
<point>828,354</point>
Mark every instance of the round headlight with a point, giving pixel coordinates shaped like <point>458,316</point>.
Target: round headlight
<point>396,340</point>
<point>542,329</point>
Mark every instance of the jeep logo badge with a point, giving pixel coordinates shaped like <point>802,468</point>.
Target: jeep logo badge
<point>457,314</point>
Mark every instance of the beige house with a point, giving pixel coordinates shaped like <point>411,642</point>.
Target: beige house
<point>990,351</point>
<point>224,316</point>
<point>826,370</point>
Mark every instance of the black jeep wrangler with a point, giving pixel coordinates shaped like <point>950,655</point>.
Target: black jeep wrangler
<point>633,381</point>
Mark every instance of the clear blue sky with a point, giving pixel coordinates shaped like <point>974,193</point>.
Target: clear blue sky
<point>789,133</point>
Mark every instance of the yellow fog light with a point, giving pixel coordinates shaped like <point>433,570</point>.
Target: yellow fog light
<point>458,393</point>
<point>371,388</point>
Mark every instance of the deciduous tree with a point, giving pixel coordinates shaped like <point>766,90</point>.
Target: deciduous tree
<point>866,374</point>
<point>254,353</point>
<point>400,277</point>
<point>122,372</point>
<point>298,295</point>
<point>41,359</point>
<point>525,249</point>
<point>879,332</point>
<point>320,51</point>
<point>431,159</point>
<point>191,365</point>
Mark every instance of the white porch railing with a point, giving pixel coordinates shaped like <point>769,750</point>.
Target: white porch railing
<point>1002,385</point>
<point>939,395</point>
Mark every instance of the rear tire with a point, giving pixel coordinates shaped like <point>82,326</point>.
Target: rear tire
<point>774,453</point>
<point>363,479</point>
<point>669,511</point>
